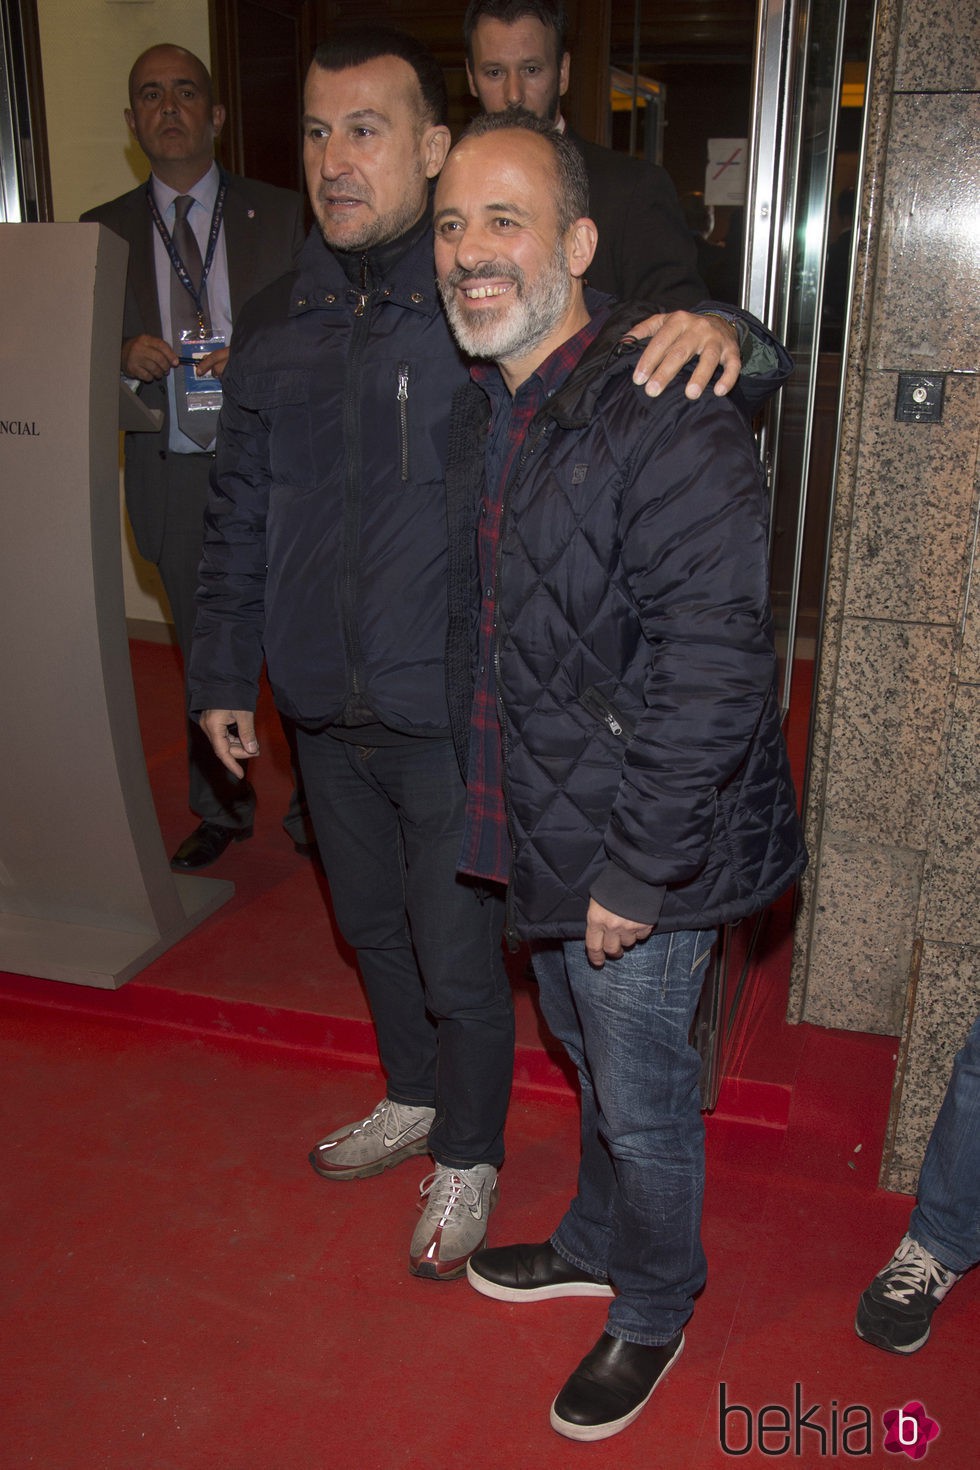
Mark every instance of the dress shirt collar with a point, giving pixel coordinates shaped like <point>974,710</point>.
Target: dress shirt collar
<point>204,192</point>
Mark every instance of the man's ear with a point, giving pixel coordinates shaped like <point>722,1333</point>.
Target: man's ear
<point>472,84</point>
<point>218,115</point>
<point>580,243</point>
<point>130,117</point>
<point>436,142</point>
<point>563,73</point>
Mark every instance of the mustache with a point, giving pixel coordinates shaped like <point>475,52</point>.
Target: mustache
<point>491,271</point>
<point>325,192</point>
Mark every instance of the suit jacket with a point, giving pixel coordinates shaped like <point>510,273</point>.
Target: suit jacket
<point>263,230</point>
<point>645,251</point>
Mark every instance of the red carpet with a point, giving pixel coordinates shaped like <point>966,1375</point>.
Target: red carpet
<point>180,1292</point>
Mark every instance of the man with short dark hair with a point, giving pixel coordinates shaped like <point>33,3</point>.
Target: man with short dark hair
<point>245,234</point>
<point>628,777</point>
<point>327,546</point>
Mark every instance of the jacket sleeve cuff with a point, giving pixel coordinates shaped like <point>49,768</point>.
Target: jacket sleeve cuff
<point>622,894</point>
<point>227,697</point>
<point>759,357</point>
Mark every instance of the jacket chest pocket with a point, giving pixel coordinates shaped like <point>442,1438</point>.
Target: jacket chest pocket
<point>281,399</point>
<point>615,721</point>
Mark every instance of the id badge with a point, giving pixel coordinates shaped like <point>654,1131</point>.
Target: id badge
<point>201,393</point>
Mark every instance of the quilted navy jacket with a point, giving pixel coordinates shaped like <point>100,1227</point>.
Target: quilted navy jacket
<point>644,760</point>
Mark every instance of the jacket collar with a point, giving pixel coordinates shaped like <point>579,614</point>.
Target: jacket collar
<point>613,352</point>
<point>400,271</point>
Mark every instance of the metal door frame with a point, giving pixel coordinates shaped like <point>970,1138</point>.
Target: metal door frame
<point>790,171</point>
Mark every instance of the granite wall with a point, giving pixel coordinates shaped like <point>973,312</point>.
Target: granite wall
<point>889,933</point>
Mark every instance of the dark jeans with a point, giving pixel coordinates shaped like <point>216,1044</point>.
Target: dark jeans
<point>946,1219</point>
<point>636,1218</point>
<point>388,822</point>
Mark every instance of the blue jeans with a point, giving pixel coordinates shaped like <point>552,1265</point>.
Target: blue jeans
<point>389,822</point>
<point>946,1219</point>
<point>636,1219</point>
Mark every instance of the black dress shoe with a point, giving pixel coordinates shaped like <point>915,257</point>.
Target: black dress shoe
<point>304,849</point>
<point>205,845</point>
<point>530,1273</point>
<point>610,1386</point>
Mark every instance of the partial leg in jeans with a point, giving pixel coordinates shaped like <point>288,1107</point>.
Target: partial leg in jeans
<point>895,1310</point>
<point>389,826</point>
<point>636,1217</point>
<point>946,1219</point>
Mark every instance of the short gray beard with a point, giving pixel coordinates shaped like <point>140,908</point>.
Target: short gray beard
<point>512,332</point>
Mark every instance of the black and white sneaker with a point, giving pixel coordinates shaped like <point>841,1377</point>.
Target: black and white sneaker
<point>611,1386</point>
<point>895,1312</point>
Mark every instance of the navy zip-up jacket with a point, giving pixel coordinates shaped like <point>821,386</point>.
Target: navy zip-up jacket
<point>326,539</point>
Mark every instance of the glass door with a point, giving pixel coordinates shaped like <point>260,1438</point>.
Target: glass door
<point>803,51</point>
<point>25,190</point>
<point>802,63</point>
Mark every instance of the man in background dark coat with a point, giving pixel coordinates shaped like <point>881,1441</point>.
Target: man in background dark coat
<point>516,57</point>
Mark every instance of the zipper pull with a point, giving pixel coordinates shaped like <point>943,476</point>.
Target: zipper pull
<point>403,383</point>
<point>613,724</point>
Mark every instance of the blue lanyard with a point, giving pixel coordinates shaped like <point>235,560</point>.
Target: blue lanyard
<point>196,293</point>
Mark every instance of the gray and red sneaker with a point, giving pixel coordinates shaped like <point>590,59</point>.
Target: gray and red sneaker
<point>454,1220</point>
<point>391,1134</point>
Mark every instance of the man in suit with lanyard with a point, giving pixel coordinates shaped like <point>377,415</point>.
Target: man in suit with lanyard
<point>201,242</point>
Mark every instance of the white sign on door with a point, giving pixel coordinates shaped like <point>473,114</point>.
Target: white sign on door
<point>724,178</point>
